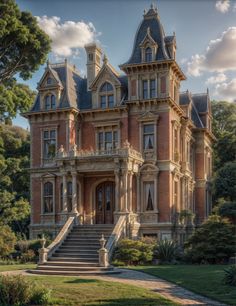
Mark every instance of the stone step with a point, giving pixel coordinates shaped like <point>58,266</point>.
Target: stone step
<point>72,268</point>
<point>72,263</point>
<point>71,273</point>
<point>69,258</point>
<point>76,255</point>
<point>79,251</point>
<point>79,248</point>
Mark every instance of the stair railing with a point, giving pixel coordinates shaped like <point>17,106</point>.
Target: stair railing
<point>105,253</point>
<point>45,253</point>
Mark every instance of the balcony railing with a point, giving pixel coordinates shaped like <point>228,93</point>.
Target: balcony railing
<point>122,152</point>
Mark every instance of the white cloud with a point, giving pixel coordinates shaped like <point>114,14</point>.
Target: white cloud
<point>219,55</point>
<point>223,6</point>
<point>227,90</point>
<point>219,78</point>
<point>67,37</point>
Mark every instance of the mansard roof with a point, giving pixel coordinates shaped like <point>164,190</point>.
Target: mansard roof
<point>151,23</point>
<point>199,103</point>
<point>74,92</point>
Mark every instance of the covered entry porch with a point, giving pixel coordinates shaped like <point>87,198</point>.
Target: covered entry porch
<point>98,186</point>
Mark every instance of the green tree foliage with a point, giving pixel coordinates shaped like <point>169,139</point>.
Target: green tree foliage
<point>225,182</point>
<point>224,129</point>
<point>23,48</point>
<point>14,178</point>
<point>213,241</point>
<point>228,210</point>
<point>7,241</point>
<point>23,45</point>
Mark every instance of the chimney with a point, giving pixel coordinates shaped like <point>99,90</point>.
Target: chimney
<point>94,54</point>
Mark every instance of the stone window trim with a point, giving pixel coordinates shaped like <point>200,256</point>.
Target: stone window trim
<point>149,88</point>
<point>106,95</point>
<point>109,126</point>
<point>42,130</point>
<point>48,179</point>
<point>148,121</point>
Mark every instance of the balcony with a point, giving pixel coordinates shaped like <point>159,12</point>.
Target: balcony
<point>98,160</point>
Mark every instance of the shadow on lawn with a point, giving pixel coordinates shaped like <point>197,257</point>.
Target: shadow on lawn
<point>81,281</point>
<point>132,302</point>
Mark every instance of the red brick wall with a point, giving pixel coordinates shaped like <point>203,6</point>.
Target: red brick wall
<point>163,193</point>
<point>163,137</point>
<point>36,201</point>
<point>88,136</point>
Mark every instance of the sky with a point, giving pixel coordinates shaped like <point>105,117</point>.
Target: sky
<point>205,32</point>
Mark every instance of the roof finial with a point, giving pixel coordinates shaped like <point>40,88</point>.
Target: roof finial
<point>144,12</point>
<point>207,91</point>
<point>65,61</point>
<point>48,63</point>
<point>148,30</point>
<point>105,59</point>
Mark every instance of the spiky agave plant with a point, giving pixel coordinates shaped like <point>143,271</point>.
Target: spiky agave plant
<point>230,276</point>
<point>166,250</point>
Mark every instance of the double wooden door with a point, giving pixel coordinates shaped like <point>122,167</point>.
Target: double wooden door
<point>105,203</point>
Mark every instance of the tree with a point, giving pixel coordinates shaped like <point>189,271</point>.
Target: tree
<point>7,241</point>
<point>23,48</point>
<point>225,182</point>
<point>228,210</point>
<point>224,128</point>
<point>213,241</point>
<point>23,45</point>
<point>14,178</point>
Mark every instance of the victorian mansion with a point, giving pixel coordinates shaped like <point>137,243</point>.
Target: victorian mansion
<point>128,143</point>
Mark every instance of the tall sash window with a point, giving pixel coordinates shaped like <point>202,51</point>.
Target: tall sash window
<point>148,136</point>
<point>149,195</point>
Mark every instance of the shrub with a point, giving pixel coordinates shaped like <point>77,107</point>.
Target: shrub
<point>133,252</point>
<point>28,256</point>
<point>228,209</point>
<point>15,290</point>
<point>7,241</point>
<point>230,276</point>
<point>166,251</point>
<point>212,242</point>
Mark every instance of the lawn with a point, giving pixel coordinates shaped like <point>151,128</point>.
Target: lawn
<point>92,292</point>
<point>78,291</point>
<point>16,267</point>
<point>202,279</point>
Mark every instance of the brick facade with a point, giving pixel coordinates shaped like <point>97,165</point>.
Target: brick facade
<point>134,131</point>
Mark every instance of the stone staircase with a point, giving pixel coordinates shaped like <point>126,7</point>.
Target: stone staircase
<point>78,254</point>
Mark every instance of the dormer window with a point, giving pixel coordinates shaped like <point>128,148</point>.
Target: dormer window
<point>148,54</point>
<point>50,102</point>
<point>106,95</point>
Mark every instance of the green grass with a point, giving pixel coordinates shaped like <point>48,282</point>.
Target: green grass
<point>202,279</point>
<point>92,292</point>
<point>13,267</point>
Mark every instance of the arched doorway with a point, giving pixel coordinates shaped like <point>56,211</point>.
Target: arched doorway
<point>105,202</point>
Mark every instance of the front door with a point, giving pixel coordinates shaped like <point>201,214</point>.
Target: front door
<point>105,198</point>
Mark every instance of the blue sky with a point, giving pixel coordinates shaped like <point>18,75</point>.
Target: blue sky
<point>205,32</point>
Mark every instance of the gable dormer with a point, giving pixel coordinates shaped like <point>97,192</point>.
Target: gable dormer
<point>148,48</point>
<point>106,87</point>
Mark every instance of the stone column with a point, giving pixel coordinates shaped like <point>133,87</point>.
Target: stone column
<point>138,193</point>
<point>117,191</point>
<point>74,192</point>
<point>125,190</point>
<point>130,198</point>
<point>64,183</point>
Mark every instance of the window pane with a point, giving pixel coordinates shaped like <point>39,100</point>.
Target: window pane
<point>69,188</point>
<point>47,102</point>
<point>109,87</point>
<point>148,128</point>
<point>152,88</point>
<point>45,134</point>
<point>108,137</point>
<point>49,80</point>
<point>145,89</point>
<point>148,54</point>
<point>103,101</point>
<point>106,87</point>
<point>53,101</point>
<point>110,101</point>
<point>148,142</point>
<point>108,197</point>
<point>53,134</point>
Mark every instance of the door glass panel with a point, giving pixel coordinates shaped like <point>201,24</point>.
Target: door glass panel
<point>100,199</point>
<point>108,197</point>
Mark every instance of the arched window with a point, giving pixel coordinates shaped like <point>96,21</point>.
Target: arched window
<point>48,197</point>
<point>50,102</point>
<point>106,95</point>
<point>148,54</point>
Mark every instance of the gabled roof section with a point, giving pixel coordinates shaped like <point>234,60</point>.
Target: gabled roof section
<point>50,71</point>
<point>152,21</point>
<point>106,67</point>
<point>148,39</point>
